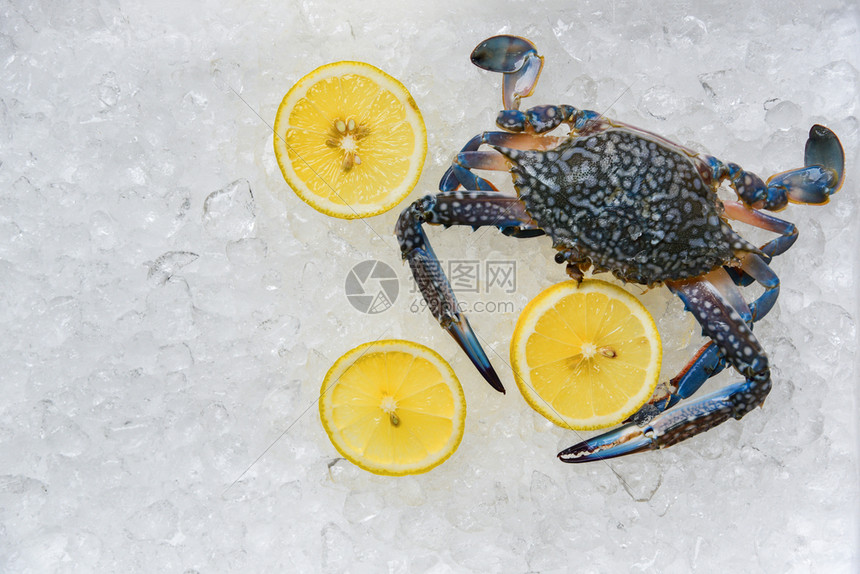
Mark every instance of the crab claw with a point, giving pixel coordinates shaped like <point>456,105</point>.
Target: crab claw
<point>626,439</point>
<point>503,54</point>
<point>823,148</point>
<point>434,286</point>
<point>822,175</point>
<point>669,428</point>
<point>442,302</point>
<point>517,59</point>
<point>460,329</point>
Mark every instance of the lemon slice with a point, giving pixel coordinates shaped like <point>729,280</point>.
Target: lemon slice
<point>350,140</point>
<point>393,407</point>
<point>587,356</point>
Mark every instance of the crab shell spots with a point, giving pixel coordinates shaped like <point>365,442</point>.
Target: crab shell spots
<point>627,204</point>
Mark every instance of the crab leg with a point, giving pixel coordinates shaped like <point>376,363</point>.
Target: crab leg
<point>458,174</point>
<point>517,59</point>
<point>736,342</point>
<point>541,119</point>
<point>476,208</point>
<point>465,162</point>
<point>756,268</point>
<point>787,230</point>
<point>709,361</point>
<point>753,266</point>
<point>777,246</point>
<point>706,363</point>
<point>720,279</point>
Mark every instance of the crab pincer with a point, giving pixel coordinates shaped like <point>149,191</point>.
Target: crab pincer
<point>517,59</point>
<point>822,174</point>
<point>477,208</point>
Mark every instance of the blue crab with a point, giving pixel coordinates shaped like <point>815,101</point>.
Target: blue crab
<point>615,198</point>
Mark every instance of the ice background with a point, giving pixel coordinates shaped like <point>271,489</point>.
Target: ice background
<point>169,307</point>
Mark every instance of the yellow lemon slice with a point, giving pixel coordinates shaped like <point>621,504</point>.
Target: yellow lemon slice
<point>393,407</point>
<point>350,140</point>
<point>587,356</point>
